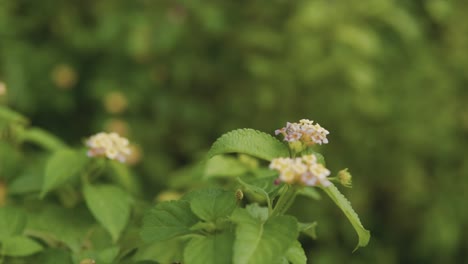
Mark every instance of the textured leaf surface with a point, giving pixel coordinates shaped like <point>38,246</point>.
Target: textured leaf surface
<point>20,246</point>
<point>251,142</point>
<point>211,204</point>
<point>167,220</point>
<point>262,242</point>
<point>211,249</point>
<point>345,206</point>
<point>224,166</point>
<point>61,167</point>
<point>168,251</point>
<point>296,254</point>
<point>110,205</point>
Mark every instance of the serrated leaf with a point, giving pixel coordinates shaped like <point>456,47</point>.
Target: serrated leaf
<point>345,206</point>
<point>262,243</point>
<point>20,246</point>
<point>211,204</point>
<point>42,138</point>
<point>255,191</point>
<point>212,249</point>
<point>258,212</point>
<point>251,142</point>
<point>296,254</point>
<point>62,166</point>
<point>168,220</point>
<point>12,222</point>
<point>309,229</point>
<point>110,205</point>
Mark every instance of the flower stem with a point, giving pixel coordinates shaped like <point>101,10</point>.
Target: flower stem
<point>285,201</point>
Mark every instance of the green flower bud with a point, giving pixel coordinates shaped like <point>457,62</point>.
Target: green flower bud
<point>345,178</point>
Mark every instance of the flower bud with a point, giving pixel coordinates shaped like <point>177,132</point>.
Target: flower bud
<point>345,178</point>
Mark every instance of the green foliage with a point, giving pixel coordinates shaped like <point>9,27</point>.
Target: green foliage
<point>168,220</point>
<point>212,204</point>
<point>251,142</point>
<point>110,205</point>
<point>20,246</point>
<point>62,167</point>
<point>387,78</point>
<point>211,249</point>
<point>12,222</point>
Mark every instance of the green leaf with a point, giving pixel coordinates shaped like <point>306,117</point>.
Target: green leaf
<point>42,138</point>
<point>310,192</point>
<point>255,191</point>
<point>262,242</point>
<point>296,254</point>
<point>20,246</point>
<point>123,176</point>
<point>211,204</point>
<point>251,142</point>
<point>167,220</point>
<point>12,116</point>
<point>309,229</point>
<point>53,256</point>
<point>345,206</point>
<point>110,205</point>
<point>169,251</point>
<point>101,256</point>
<point>211,249</point>
<point>224,166</point>
<point>61,167</point>
<point>258,212</point>
<point>54,223</point>
<point>12,222</point>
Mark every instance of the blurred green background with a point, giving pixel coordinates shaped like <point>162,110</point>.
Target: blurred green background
<point>387,78</point>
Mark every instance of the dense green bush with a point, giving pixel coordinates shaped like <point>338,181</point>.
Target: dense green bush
<point>387,78</point>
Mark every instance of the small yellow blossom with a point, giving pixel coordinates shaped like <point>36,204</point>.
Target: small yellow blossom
<point>304,170</point>
<point>305,131</point>
<point>110,145</point>
<point>345,178</point>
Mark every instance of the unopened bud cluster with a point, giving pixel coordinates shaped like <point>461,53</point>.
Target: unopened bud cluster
<point>109,145</point>
<point>305,131</point>
<point>304,170</point>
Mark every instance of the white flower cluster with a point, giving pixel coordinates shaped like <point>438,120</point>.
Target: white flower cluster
<point>304,170</point>
<point>110,145</point>
<point>304,131</point>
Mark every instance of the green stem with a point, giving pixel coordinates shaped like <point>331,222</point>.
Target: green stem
<point>285,201</point>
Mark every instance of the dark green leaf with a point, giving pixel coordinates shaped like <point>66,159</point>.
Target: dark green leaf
<point>211,204</point>
<point>212,249</point>
<point>167,220</point>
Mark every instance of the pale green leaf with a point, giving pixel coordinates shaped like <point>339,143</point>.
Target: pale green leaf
<point>100,256</point>
<point>260,242</point>
<point>110,205</point>
<point>224,166</point>
<point>167,220</point>
<point>296,254</point>
<point>251,142</point>
<point>63,166</point>
<point>42,138</point>
<point>345,206</point>
<point>20,246</point>
<point>212,249</point>
<point>310,192</point>
<point>255,191</point>
<point>12,222</point>
<point>258,212</point>
<point>211,204</point>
